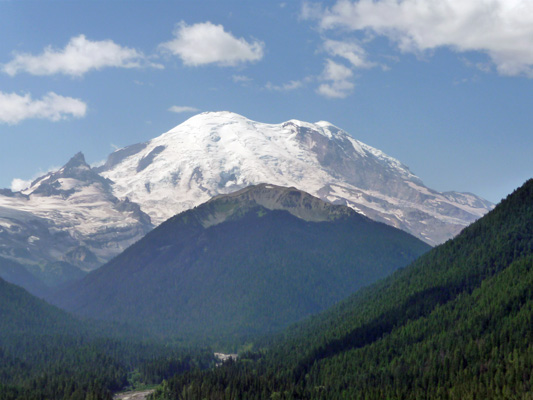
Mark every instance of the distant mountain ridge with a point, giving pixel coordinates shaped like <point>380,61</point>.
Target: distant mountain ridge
<point>70,219</point>
<point>17,274</point>
<point>242,264</point>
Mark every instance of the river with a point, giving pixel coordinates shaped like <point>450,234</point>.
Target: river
<point>135,395</point>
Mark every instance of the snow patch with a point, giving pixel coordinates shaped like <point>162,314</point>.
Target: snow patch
<point>33,239</point>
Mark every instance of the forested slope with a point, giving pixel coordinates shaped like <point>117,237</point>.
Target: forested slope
<point>455,324</point>
<point>242,265</point>
<point>47,354</point>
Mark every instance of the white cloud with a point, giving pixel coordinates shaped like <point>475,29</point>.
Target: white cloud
<point>291,85</point>
<point>183,109</point>
<point>241,79</point>
<point>502,29</point>
<point>15,108</point>
<point>336,90</point>
<point>336,72</point>
<point>207,43</point>
<point>351,51</point>
<point>338,81</point>
<point>78,57</point>
<point>311,10</point>
<point>18,185</point>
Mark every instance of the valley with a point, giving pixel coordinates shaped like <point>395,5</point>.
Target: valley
<point>454,324</point>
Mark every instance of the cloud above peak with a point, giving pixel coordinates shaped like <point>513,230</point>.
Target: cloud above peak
<point>350,51</point>
<point>183,109</point>
<point>502,29</point>
<point>338,81</point>
<point>207,43</point>
<point>79,56</point>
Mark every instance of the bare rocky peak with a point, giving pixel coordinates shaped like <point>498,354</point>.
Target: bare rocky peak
<point>71,178</point>
<point>272,197</point>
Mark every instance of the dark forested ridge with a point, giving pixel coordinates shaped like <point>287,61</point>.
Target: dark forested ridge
<point>22,313</point>
<point>455,324</point>
<point>47,354</point>
<point>243,264</point>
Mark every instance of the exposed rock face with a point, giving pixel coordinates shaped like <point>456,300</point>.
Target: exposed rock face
<point>272,197</point>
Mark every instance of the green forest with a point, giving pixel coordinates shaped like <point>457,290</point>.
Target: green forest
<point>455,324</point>
<point>47,354</point>
<point>252,274</point>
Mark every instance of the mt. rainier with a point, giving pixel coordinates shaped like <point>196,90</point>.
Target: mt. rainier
<point>79,217</point>
<point>220,152</point>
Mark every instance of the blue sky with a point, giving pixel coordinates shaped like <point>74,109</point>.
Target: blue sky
<point>445,86</point>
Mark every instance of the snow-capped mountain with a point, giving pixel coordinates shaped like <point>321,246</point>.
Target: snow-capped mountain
<point>71,216</point>
<point>80,217</point>
<point>220,152</point>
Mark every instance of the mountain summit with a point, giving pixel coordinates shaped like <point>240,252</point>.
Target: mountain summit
<point>220,152</point>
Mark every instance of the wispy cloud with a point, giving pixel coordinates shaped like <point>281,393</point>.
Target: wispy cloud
<point>502,29</point>
<point>482,66</point>
<point>15,108</point>
<point>311,10</point>
<point>78,57</point>
<point>207,43</point>
<point>241,79</point>
<point>291,85</point>
<point>349,50</point>
<point>338,80</point>
<point>183,109</point>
